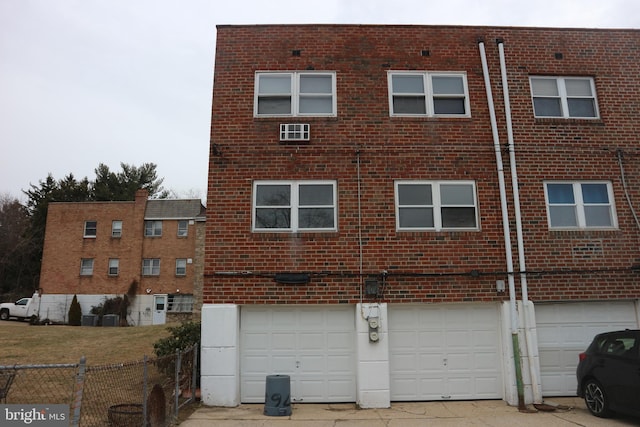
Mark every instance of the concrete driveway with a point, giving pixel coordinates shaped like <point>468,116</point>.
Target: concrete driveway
<point>566,412</point>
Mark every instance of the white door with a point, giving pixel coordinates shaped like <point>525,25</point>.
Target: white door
<point>565,330</point>
<point>159,309</point>
<point>314,345</point>
<point>442,352</point>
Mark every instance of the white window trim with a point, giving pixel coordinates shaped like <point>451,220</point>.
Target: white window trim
<point>86,271</point>
<point>295,93</point>
<point>116,261</point>
<point>153,228</point>
<point>151,266</point>
<point>84,231</point>
<point>179,260</point>
<point>116,232</point>
<point>185,229</point>
<point>562,94</point>
<point>579,205</point>
<point>294,206</point>
<point>426,76</point>
<point>437,206</point>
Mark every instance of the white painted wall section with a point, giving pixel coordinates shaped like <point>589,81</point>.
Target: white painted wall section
<point>220,371</point>
<point>373,358</point>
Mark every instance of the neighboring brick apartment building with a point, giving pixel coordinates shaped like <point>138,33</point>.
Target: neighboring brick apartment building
<point>366,238</point>
<point>97,250</point>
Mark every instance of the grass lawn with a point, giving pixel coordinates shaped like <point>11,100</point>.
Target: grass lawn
<point>25,344</point>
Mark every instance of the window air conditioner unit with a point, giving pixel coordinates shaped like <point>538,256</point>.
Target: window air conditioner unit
<point>294,132</point>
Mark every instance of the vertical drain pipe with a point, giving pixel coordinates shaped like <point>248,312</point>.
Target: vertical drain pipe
<point>506,231</point>
<point>537,394</point>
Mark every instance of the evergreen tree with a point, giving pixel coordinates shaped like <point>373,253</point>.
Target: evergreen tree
<point>75,312</point>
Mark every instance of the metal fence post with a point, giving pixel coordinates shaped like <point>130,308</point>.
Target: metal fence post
<point>77,397</point>
<point>194,372</point>
<point>177,381</point>
<point>144,391</point>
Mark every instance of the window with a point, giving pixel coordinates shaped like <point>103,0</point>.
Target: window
<point>180,303</point>
<point>116,228</point>
<point>183,228</point>
<point>294,206</point>
<point>566,97</point>
<point>86,267</point>
<point>153,228</point>
<point>436,205</point>
<point>151,267</point>
<point>90,229</point>
<point>572,205</point>
<point>114,266</point>
<point>428,94</point>
<point>295,94</point>
<point>181,267</point>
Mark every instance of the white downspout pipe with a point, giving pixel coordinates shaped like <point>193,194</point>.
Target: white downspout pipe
<point>533,372</point>
<point>505,227</point>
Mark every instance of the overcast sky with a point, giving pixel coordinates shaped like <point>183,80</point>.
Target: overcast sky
<point>84,82</point>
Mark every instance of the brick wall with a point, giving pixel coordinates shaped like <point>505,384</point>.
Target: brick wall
<point>421,266</point>
<point>65,246</point>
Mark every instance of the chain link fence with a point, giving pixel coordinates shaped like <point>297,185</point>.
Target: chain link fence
<point>149,392</point>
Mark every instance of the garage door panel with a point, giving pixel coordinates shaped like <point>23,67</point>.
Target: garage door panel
<point>281,364</point>
<point>310,341</point>
<point>484,361</point>
<point>403,363</point>
<point>315,346</point>
<point>255,364</point>
<point>340,389</point>
<point>428,363</point>
<point>457,346</point>
<point>282,341</point>
<point>429,339</point>
<point>339,340</point>
<point>457,362</point>
<point>566,330</point>
<point>340,364</point>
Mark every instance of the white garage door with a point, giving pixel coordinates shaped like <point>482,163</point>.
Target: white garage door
<point>315,346</point>
<point>445,352</point>
<point>566,330</point>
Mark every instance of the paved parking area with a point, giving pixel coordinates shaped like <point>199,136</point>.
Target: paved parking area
<point>563,412</point>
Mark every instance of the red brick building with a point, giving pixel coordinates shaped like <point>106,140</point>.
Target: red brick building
<point>148,248</point>
<point>394,203</point>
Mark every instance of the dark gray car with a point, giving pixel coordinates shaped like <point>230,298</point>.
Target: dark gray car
<point>609,374</point>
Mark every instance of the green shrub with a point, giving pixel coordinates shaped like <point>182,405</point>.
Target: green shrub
<point>75,312</point>
<point>182,337</point>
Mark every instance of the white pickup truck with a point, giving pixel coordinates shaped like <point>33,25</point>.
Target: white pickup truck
<point>24,308</point>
